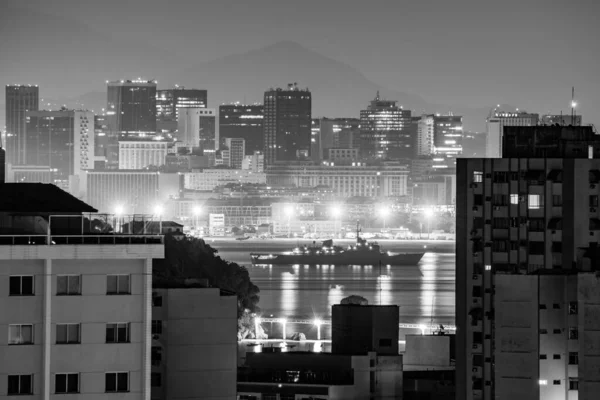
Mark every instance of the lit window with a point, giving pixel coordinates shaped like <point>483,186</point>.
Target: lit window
<point>514,199</point>
<point>477,176</point>
<point>535,202</point>
<point>543,382</point>
<point>488,267</point>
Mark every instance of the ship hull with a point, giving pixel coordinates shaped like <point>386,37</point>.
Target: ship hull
<point>349,258</point>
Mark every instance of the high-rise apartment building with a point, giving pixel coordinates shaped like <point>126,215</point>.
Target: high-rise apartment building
<point>62,140</point>
<point>242,121</point>
<point>495,128</point>
<point>440,135</point>
<point>523,223</point>
<point>76,306</point>
<point>197,128</point>
<point>169,101</point>
<point>140,154</point>
<point>19,100</point>
<point>287,124</point>
<point>237,151</point>
<point>131,112</point>
<point>385,130</point>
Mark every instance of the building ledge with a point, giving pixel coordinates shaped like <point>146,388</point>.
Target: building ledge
<point>82,251</point>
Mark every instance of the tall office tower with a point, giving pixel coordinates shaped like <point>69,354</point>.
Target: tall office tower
<point>19,99</point>
<point>563,120</point>
<point>385,130</point>
<point>62,140</point>
<point>287,124</point>
<point>242,121</point>
<point>196,128</point>
<point>76,309</point>
<point>336,133</point>
<point>495,126</point>
<point>100,140</point>
<point>440,136</point>
<point>169,101</point>
<point>525,223</point>
<point>131,112</point>
<point>237,151</point>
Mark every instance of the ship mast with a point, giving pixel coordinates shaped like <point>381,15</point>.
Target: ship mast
<point>357,233</point>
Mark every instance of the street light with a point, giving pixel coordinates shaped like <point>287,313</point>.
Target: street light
<point>158,210</point>
<point>289,211</point>
<point>197,210</point>
<point>318,323</point>
<point>384,212</point>
<point>119,210</point>
<point>336,212</point>
<point>428,213</point>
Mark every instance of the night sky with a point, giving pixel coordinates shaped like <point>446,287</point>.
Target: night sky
<point>468,53</point>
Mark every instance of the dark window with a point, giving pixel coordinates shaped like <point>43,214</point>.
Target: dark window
<point>156,355</point>
<point>155,379</point>
<point>500,200</point>
<point>593,201</point>
<point>116,382</point>
<point>556,382</point>
<point>477,337</point>
<point>542,306</point>
<point>572,308</point>
<point>537,225</point>
<point>20,384</point>
<point>556,357</point>
<point>68,285</point>
<point>66,383</point>
<point>477,384</point>
<point>543,331</point>
<point>21,286</point>
<point>156,300</point>
<point>68,333</point>
<point>557,331</point>
<point>477,360</point>
<point>537,248</point>
<point>385,342</point>
<point>118,284</point>
<point>573,384</point>
<point>499,246</point>
<point>476,291</point>
<point>117,333</point>
<point>573,358</point>
<point>156,327</point>
<point>573,333</point>
<point>500,177</point>
<point>501,223</point>
<point>556,306</point>
<point>478,200</point>
<point>557,200</point>
<point>542,357</point>
<point>372,381</point>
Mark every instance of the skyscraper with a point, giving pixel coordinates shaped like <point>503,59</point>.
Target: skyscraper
<point>440,136</point>
<point>19,99</point>
<point>62,140</point>
<point>495,128</point>
<point>336,133</point>
<point>169,101</point>
<point>385,130</point>
<point>197,127</point>
<point>525,225</point>
<point>131,112</point>
<point>287,124</point>
<point>237,151</point>
<point>243,121</point>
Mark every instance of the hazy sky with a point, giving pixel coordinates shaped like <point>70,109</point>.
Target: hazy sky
<point>475,53</point>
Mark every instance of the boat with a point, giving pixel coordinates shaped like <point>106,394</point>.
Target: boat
<point>361,253</point>
<point>242,238</point>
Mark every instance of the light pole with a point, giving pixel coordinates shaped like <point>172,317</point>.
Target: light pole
<point>196,210</point>
<point>318,323</point>
<point>428,213</point>
<point>336,212</point>
<point>289,211</point>
<point>118,214</point>
<point>383,213</point>
<point>158,210</point>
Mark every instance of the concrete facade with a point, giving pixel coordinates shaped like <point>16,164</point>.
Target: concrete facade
<point>194,344</point>
<point>141,154</point>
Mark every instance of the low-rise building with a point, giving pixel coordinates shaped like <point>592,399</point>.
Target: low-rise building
<point>140,154</point>
<point>209,179</point>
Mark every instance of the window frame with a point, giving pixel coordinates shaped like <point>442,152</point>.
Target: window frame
<point>20,277</point>
<point>19,391</point>
<point>21,334</point>
<point>68,292</point>
<point>156,327</point>
<point>116,327</point>
<point>66,376</point>
<point>116,377</point>
<point>118,291</point>
<point>67,333</point>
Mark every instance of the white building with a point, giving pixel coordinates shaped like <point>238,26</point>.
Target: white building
<point>425,131</point>
<point>197,127</point>
<point>141,154</point>
<point>495,128</point>
<point>237,151</point>
<point>255,162</point>
<point>209,179</point>
<point>77,317</point>
<point>342,155</point>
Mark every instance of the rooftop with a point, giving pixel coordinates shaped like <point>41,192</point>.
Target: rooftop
<point>39,197</point>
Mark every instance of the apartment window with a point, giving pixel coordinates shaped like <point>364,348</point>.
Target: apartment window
<point>542,357</point>
<point>477,176</point>
<point>501,223</point>
<point>116,382</point>
<point>156,327</point>
<point>156,355</point>
<point>476,291</point>
<point>68,333</point>
<point>514,199</point>
<point>556,357</point>
<point>573,308</point>
<point>155,379</point>
<point>118,284</point>
<point>556,382</point>
<point>20,334</point>
<point>117,333</point>
<point>535,201</point>
<point>478,200</point>
<point>477,360</point>
<point>156,300</point>
<point>499,246</point>
<point>573,384</point>
<point>573,333</point>
<point>557,200</point>
<point>542,306</point>
<point>537,248</point>
<point>557,331</point>
<point>543,331</point>
<point>68,285</point>
<point>537,225</point>
<point>556,306</point>
<point>66,383</point>
<point>573,358</point>
<point>20,384</point>
<point>500,200</point>
<point>593,201</point>
<point>21,285</point>
<point>385,342</point>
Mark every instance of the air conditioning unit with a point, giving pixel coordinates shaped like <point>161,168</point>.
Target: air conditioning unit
<point>474,369</point>
<point>475,346</point>
<point>592,186</point>
<point>475,208</point>
<point>475,277</point>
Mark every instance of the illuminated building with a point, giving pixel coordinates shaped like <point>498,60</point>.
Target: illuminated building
<point>385,130</point>
<point>337,133</point>
<point>242,121</point>
<point>528,228</point>
<point>209,179</point>
<point>197,128</point>
<point>131,112</point>
<point>388,180</point>
<point>101,136</point>
<point>440,136</point>
<point>237,151</point>
<point>169,101</point>
<point>140,154</point>
<point>19,99</point>
<point>495,128</point>
<point>287,124</point>
<point>255,162</point>
<point>61,140</point>
<point>562,120</point>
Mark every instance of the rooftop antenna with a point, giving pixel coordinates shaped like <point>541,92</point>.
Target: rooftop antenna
<point>573,105</point>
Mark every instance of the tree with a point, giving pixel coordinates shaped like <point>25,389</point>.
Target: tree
<point>193,258</point>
